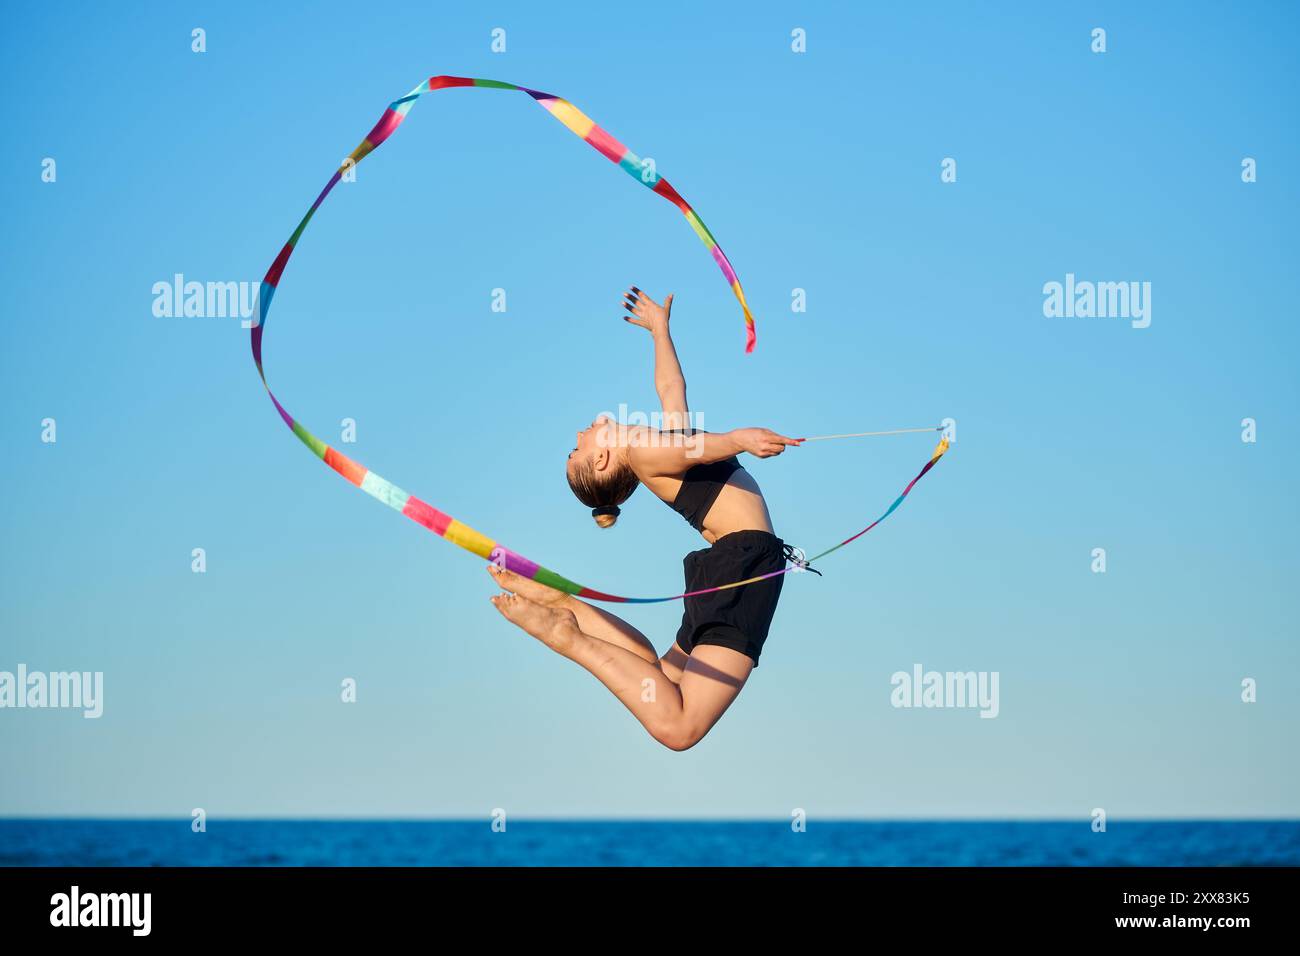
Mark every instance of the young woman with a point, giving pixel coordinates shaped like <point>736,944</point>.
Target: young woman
<point>680,696</point>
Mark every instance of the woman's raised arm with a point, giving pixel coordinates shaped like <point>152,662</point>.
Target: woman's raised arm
<point>670,383</point>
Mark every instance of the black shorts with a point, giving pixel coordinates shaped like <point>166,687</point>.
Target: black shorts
<point>737,617</point>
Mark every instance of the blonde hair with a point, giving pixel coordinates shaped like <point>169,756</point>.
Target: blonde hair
<point>603,493</point>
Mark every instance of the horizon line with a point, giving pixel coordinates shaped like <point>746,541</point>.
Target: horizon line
<point>657,820</point>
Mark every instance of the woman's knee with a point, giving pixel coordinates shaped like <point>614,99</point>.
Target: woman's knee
<point>679,735</point>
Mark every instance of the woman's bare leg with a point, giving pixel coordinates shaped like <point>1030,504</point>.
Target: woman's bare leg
<point>674,662</point>
<point>678,715</point>
<point>592,620</point>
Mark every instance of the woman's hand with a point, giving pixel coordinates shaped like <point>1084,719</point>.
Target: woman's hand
<point>762,442</point>
<point>646,312</point>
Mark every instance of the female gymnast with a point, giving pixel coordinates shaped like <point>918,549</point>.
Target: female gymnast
<point>680,696</point>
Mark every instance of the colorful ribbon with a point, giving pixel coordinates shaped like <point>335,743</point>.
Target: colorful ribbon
<point>412,507</point>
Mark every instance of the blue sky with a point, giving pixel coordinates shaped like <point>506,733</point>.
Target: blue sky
<point>818,171</point>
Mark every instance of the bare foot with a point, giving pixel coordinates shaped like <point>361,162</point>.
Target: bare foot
<point>554,627</point>
<point>516,584</point>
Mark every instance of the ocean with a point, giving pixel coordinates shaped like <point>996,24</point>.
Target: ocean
<point>50,842</point>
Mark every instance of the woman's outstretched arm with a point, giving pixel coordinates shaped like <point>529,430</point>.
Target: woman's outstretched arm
<point>651,459</point>
<point>670,383</point>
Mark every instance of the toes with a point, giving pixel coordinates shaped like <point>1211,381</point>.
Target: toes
<point>504,579</point>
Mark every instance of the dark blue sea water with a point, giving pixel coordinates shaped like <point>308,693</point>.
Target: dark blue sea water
<point>633,843</point>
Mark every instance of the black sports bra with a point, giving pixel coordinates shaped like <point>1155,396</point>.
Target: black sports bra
<point>701,485</point>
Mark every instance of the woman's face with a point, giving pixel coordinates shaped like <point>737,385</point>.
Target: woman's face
<point>591,441</point>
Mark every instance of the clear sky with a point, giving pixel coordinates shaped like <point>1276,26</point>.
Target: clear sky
<point>818,171</point>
